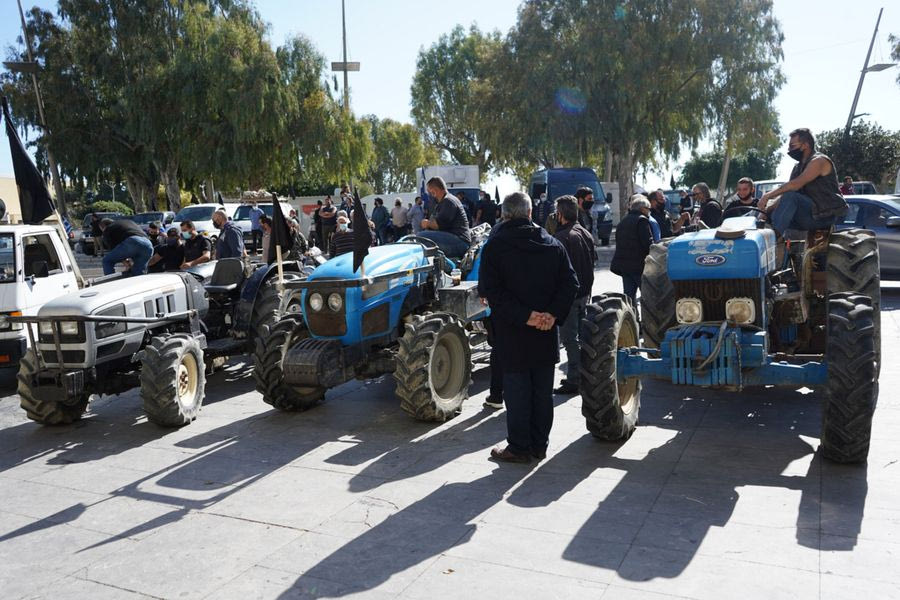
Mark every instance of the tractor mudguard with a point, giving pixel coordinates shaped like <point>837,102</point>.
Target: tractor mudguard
<point>244,313</point>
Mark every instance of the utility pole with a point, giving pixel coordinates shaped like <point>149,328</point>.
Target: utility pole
<point>345,66</point>
<point>54,170</point>
<point>862,75</point>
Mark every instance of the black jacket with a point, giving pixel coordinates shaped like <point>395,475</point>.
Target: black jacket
<point>524,269</point>
<point>579,247</point>
<point>119,231</point>
<point>665,223</point>
<point>633,240</point>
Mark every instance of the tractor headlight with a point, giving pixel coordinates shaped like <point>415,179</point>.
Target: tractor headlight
<point>45,328</point>
<point>68,328</point>
<point>689,310</point>
<point>740,310</point>
<point>316,301</point>
<point>335,302</point>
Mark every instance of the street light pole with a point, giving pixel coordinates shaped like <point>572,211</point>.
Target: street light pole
<point>54,169</point>
<point>862,76</point>
<point>344,30</point>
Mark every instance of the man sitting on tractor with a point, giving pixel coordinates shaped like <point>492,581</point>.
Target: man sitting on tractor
<point>448,227</point>
<point>811,199</point>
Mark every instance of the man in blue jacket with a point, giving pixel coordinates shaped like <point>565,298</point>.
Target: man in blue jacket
<point>527,306</point>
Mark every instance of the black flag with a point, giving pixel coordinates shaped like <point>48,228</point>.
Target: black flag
<point>362,239</point>
<point>34,198</point>
<point>281,231</point>
<point>672,182</point>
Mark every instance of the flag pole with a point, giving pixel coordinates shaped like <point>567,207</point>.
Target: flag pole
<point>280,267</point>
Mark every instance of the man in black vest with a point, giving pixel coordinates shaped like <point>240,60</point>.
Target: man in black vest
<point>812,198</point>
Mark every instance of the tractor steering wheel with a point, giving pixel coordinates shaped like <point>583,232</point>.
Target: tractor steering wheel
<point>418,239</point>
<point>747,208</point>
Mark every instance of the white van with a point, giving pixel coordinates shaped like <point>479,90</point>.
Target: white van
<point>201,216</point>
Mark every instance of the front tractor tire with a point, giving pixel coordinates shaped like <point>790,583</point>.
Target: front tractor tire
<point>173,379</point>
<point>610,407</point>
<point>272,345</point>
<point>434,367</point>
<point>852,389</point>
<point>45,412</point>
<point>268,300</point>
<point>657,296</point>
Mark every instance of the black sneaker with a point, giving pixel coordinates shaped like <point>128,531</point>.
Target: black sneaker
<point>539,454</point>
<point>491,402</point>
<point>566,388</point>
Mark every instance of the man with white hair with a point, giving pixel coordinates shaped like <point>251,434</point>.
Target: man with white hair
<point>633,241</point>
<point>527,306</point>
<point>231,240</point>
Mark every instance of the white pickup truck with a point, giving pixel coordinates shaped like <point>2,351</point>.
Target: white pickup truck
<point>34,269</point>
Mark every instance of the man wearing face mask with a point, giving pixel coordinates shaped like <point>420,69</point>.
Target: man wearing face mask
<point>342,239</point>
<point>197,248</point>
<point>168,254</point>
<point>231,239</point>
<point>811,199</point>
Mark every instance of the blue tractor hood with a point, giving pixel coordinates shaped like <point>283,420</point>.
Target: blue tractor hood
<point>380,261</point>
<point>734,250</point>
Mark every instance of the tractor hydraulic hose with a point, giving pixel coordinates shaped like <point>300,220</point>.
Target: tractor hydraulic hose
<point>720,337</point>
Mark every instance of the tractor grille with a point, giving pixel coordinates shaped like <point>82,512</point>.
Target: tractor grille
<point>68,356</point>
<point>713,293</point>
<point>326,322</point>
<point>376,320</point>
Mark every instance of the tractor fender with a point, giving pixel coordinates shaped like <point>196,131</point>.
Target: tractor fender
<point>243,314</point>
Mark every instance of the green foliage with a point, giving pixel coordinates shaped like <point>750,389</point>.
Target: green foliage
<point>895,52</point>
<point>110,206</point>
<point>446,106</point>
<point>706,168</point>
<point>398,151</point>
<point>870,153</point>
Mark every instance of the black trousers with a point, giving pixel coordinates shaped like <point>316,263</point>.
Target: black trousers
<point>528,396</point>
<point>256,236</point>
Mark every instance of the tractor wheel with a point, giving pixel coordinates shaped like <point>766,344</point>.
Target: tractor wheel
<point>45,412</point>
<point>272,345</point>
<point>610,407</point>
<point>268,299</point>
<point>657,296</point>
<point>853,266</point>
<point>852,388</point>
<point>434,367</point>
<point>173,379</point>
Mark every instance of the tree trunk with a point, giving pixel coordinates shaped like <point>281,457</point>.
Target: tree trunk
<point>625,177</point>
<point>168,174</point>
<point>608,167</point>
<point>723,176</point>
<point>136,190</point>
<point>209,190</point>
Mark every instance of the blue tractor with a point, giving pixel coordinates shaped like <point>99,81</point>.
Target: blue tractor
<point>406,315</point>
<point>728,308</point>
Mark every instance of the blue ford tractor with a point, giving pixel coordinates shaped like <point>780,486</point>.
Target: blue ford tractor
<point>402,313</point>
<point>728,308</point>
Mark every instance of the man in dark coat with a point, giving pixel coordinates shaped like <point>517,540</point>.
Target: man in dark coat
<point>579,245</point>
<point>633,240</point>
<point>658,212</point>
<point>526,307</point>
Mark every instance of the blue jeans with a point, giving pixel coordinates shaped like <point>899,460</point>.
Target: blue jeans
<point>449,244</point>
<point>529,408</point>
<point>568,333</point>
<point>138,249</point>
<point>794,211</point>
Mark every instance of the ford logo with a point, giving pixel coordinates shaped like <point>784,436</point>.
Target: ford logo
<point>710,260</point>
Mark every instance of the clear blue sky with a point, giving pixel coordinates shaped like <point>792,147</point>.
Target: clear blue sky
<point>825,44</point>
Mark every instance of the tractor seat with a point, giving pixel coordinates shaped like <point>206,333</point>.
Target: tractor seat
<point>227,276</point>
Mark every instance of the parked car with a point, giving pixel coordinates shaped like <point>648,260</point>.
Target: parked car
<point>241,216</point>
<point>767,185</point>
<point>864,188</point>
<point>164,218</point>
<point>881,214</point>
<point>87,236</point>
<point>201,216</point>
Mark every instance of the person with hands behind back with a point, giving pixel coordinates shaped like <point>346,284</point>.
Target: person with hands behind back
<point>527,306</point>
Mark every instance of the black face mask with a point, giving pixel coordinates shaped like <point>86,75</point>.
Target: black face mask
<point>796,154</point>
<point>587,204</point>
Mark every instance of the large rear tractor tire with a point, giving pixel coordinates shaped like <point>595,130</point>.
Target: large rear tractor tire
<point>610,407</point>
<point>852,379</point>
<point>853,266</point>
<point>434,367</point>
<point>45,412</point>
<point>173,379</point>
<point>657,296</point>
<point>272,345</point>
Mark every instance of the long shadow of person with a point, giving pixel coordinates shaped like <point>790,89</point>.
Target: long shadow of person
<point>407,539</point>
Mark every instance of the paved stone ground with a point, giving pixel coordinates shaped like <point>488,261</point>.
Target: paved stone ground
<point>715,496</point>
